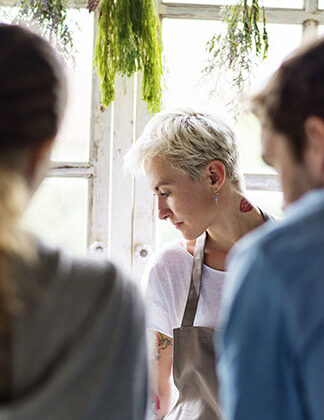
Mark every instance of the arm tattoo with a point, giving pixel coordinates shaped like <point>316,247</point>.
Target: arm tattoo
<point>163,342</point>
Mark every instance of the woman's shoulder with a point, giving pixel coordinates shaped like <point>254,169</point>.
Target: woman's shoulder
<point>85,280</point>
<point>170,253</point>
<point>169,265</point>
<point>82,291</point>
<point>70,304</point>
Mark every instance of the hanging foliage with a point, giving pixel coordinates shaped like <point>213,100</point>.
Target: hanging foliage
<point>50,17</point>
<point>244,43</point>
<point>129,40</point>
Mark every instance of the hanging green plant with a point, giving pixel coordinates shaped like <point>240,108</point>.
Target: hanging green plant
<point>244,44</point>
<point>129,40</point>
<point>50,17</point>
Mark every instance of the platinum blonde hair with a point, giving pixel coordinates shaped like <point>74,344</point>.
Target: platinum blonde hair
<point>188,140</point>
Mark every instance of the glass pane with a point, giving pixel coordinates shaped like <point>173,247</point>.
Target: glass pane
<point>321,29</point>
<point>8,13</point>
<point>283,40</point>
<point>184,43</point>
<point>58,213</point>
<point>185,55</point>
<point>73,140</point>
<point>285,4</point>
<point>270,201</point>
<point>321,4</point>
<point>74,137</point>
<point>250,152</point>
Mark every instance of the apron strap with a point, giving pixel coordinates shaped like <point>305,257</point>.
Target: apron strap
<point>196,275</point>
<point>266,216</point>
<point>195,284</point>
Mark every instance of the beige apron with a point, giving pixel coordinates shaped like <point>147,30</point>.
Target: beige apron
<point>193,356</point>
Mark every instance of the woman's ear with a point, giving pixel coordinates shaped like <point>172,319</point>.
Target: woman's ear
<point>37,163</point>
<point>314,152</point>
<point>216,174</point>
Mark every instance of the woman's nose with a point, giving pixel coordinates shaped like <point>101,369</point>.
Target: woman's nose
<point>163,210</point>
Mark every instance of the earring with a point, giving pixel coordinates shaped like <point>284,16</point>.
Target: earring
<point>216,198</point>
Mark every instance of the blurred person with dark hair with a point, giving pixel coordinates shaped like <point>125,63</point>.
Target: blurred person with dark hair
<point>272,347</point>
<point>72,331</point>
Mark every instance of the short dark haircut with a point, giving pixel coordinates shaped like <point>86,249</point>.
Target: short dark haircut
<point>294,93</point>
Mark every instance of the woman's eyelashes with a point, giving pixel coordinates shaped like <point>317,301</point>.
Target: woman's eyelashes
<point>162,194</point>
<point>165,194</point>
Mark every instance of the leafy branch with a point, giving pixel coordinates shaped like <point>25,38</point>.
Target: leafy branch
<point>50,17</point>
<point>244,43</point>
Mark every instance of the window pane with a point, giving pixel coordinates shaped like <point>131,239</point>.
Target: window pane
<point>185,55</point>
<point>285,4</point>
<point>269,201</point>
<point>321,4</point>
<point>250,151</point>
<point>184,42</point>
<point>321,29</point>
<point>283,40</point>
<point>73,140</point>
<point>74,137</point>
<point>58,213</point>
<point>8,13</point>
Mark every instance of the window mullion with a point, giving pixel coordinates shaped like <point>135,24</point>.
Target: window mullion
<point>311,6</point>
<point>262,182</point>
<point>121,183</point>
<point>214,12</point>
<point>71,169</point>
<point>98,191</point>
<point>144,222</point>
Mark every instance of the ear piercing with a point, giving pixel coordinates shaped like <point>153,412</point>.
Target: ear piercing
<point>213,181</point>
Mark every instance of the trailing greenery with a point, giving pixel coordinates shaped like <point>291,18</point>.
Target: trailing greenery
<point>50,16</point>
<point>243,44</point>
<point>129,40</point>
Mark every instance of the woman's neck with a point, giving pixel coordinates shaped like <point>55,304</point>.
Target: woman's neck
<point>235,216</point>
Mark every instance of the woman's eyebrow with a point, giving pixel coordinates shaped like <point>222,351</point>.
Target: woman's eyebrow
<point>162,184</point>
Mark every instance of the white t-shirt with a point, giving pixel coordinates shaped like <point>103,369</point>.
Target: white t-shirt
<point>168,282</point>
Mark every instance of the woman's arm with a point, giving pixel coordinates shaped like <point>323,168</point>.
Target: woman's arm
<point>161,368</point>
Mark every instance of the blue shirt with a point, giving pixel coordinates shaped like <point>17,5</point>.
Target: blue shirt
<point>271,350</point>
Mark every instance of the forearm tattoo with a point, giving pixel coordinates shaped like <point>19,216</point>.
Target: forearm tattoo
<point>163,342</point>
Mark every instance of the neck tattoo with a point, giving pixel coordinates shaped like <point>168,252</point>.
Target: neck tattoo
<point>245,206</point>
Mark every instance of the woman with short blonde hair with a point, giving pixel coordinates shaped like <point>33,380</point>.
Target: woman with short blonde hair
<point>191,162</point>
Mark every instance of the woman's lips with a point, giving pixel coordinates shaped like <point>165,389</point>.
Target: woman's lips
<point>178,225</point>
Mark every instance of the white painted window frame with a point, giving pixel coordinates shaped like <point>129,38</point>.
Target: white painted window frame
<point>121,219</point>
<point>309,17</point>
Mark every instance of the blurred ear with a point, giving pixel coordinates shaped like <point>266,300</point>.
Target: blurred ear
<point>314,153</point>
<point>216,174</point>
<point>38,162</point>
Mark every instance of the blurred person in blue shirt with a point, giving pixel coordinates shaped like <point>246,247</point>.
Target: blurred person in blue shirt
<point>271,362</point>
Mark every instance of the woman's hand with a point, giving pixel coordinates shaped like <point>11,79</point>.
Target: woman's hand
<point>161,367</point>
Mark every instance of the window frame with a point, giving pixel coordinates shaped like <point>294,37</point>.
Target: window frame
<point>309,17</point>
<point>121,210</point>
